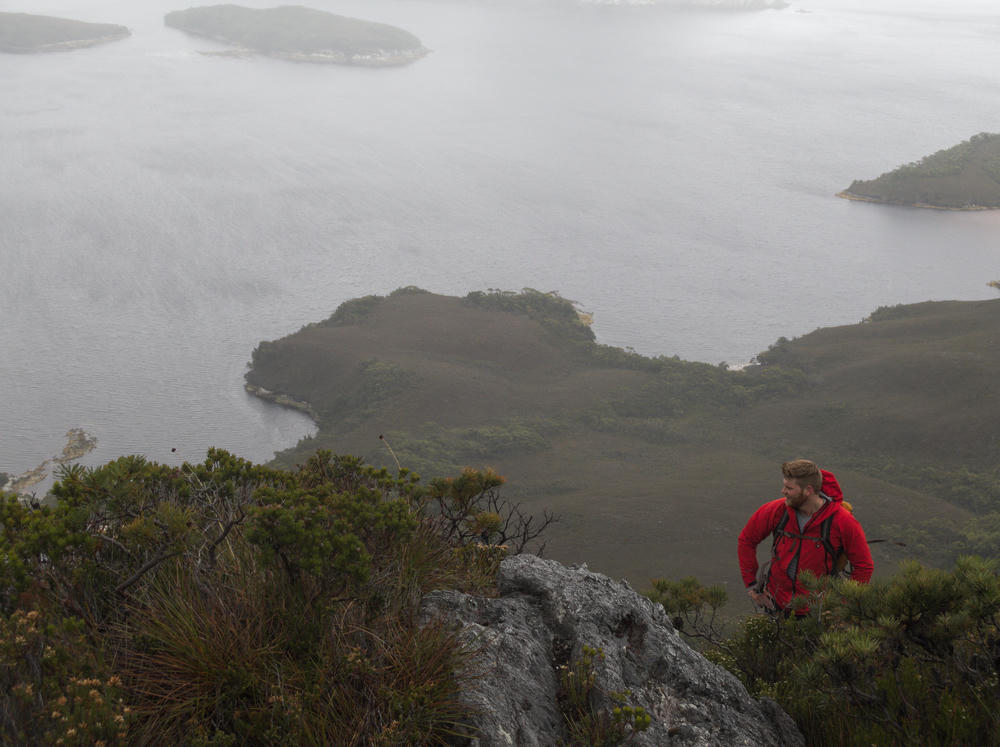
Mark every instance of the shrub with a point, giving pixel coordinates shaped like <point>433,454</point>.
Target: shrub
<point>587,724</point>
<point>228,603</point>
<point>911,660</point>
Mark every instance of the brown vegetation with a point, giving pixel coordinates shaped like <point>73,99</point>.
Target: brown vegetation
<point>654,464</point>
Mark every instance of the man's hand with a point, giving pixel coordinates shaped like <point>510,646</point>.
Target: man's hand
<point>762,599</point>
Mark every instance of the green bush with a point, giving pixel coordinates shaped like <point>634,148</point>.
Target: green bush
<point>556,314</point>
<point>228,603</point>
<point>587,724</point>
<point>911,660</point>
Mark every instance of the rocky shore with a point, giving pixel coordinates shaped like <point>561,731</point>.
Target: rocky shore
<point>281,399</point>
<point>78,443</point>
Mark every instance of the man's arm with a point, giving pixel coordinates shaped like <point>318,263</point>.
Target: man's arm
<point>857,550</point>
<point>759,526</point>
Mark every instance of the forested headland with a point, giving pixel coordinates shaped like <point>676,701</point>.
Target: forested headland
<point>964,177</point>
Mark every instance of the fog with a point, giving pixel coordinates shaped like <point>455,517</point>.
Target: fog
<point>671,171</point>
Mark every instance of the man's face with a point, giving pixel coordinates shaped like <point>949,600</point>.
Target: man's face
<point>794,494</point>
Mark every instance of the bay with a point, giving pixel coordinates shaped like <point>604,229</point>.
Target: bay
<point>674,172</point>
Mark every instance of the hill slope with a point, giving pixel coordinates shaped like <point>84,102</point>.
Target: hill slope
<point>655,464</point>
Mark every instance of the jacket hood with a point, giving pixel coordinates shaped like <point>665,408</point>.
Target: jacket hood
<point>831,488</point>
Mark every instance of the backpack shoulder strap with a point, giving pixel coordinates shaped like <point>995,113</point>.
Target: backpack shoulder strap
<point>836,559</point>
<point>779,529</point>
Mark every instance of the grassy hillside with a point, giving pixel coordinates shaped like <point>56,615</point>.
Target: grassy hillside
<point>655,464</point>
<point>24,32</point>
<point>965,177</point>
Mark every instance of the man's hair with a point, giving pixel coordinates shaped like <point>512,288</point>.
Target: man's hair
<point>804,473</point>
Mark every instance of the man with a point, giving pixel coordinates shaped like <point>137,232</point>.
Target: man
<point>812,531</point>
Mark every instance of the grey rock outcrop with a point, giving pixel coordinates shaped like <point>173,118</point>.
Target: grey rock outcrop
<point>545,614</point>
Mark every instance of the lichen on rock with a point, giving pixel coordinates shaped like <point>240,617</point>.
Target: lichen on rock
<point>544,617</point>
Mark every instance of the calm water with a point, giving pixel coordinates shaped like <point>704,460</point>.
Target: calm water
<point>162,211</point>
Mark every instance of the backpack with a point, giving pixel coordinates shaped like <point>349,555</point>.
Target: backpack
<point>836,559</point>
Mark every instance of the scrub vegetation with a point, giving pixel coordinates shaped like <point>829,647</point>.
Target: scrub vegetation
<point>229,603</point>
<point>226,602</point>
<point>964,177</point>
<point>914,659</point>
<point>673,455</point>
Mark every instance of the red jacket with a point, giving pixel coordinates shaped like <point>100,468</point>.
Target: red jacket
<point>795,551</point>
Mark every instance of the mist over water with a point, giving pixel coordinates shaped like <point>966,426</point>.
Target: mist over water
<point>162,211</point>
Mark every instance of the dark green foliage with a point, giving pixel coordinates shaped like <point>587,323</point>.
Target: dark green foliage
<point>445,450</point>
<point>353,311</point>
<point>556,314</point>
<point>587,725</point>
<point>982,147</point>
<point>379,382</point>
<point>910,660</point>
<point>941,543</point>
<point>966,175</point>
<point>694,608</point>
<point>228,603</point>
<point>976,490</point>
<point>888,313</point>
<point>409,290</point>
<point>469,509</point>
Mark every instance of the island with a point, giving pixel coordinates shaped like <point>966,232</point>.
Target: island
<point>965,177</point>
<point>301,34</point>
<point>25,33</point>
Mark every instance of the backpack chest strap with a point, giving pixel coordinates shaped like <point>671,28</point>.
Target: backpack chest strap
<point>823,536</point>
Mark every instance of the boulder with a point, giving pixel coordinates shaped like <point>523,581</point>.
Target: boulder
<point>544,617</point>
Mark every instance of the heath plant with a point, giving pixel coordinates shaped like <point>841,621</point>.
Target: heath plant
<point>228,603</point>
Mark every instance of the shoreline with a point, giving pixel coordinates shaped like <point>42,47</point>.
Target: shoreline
<point>394,59</point>
<point>66,46</point>
<point>284,400</point>
<point>78,443</point>
<point>847,195</point>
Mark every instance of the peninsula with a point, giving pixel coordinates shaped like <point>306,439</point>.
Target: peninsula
<point>25,33</point>
<point>965,177</point>
<point>300,34</point>
<point>908,403</point>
